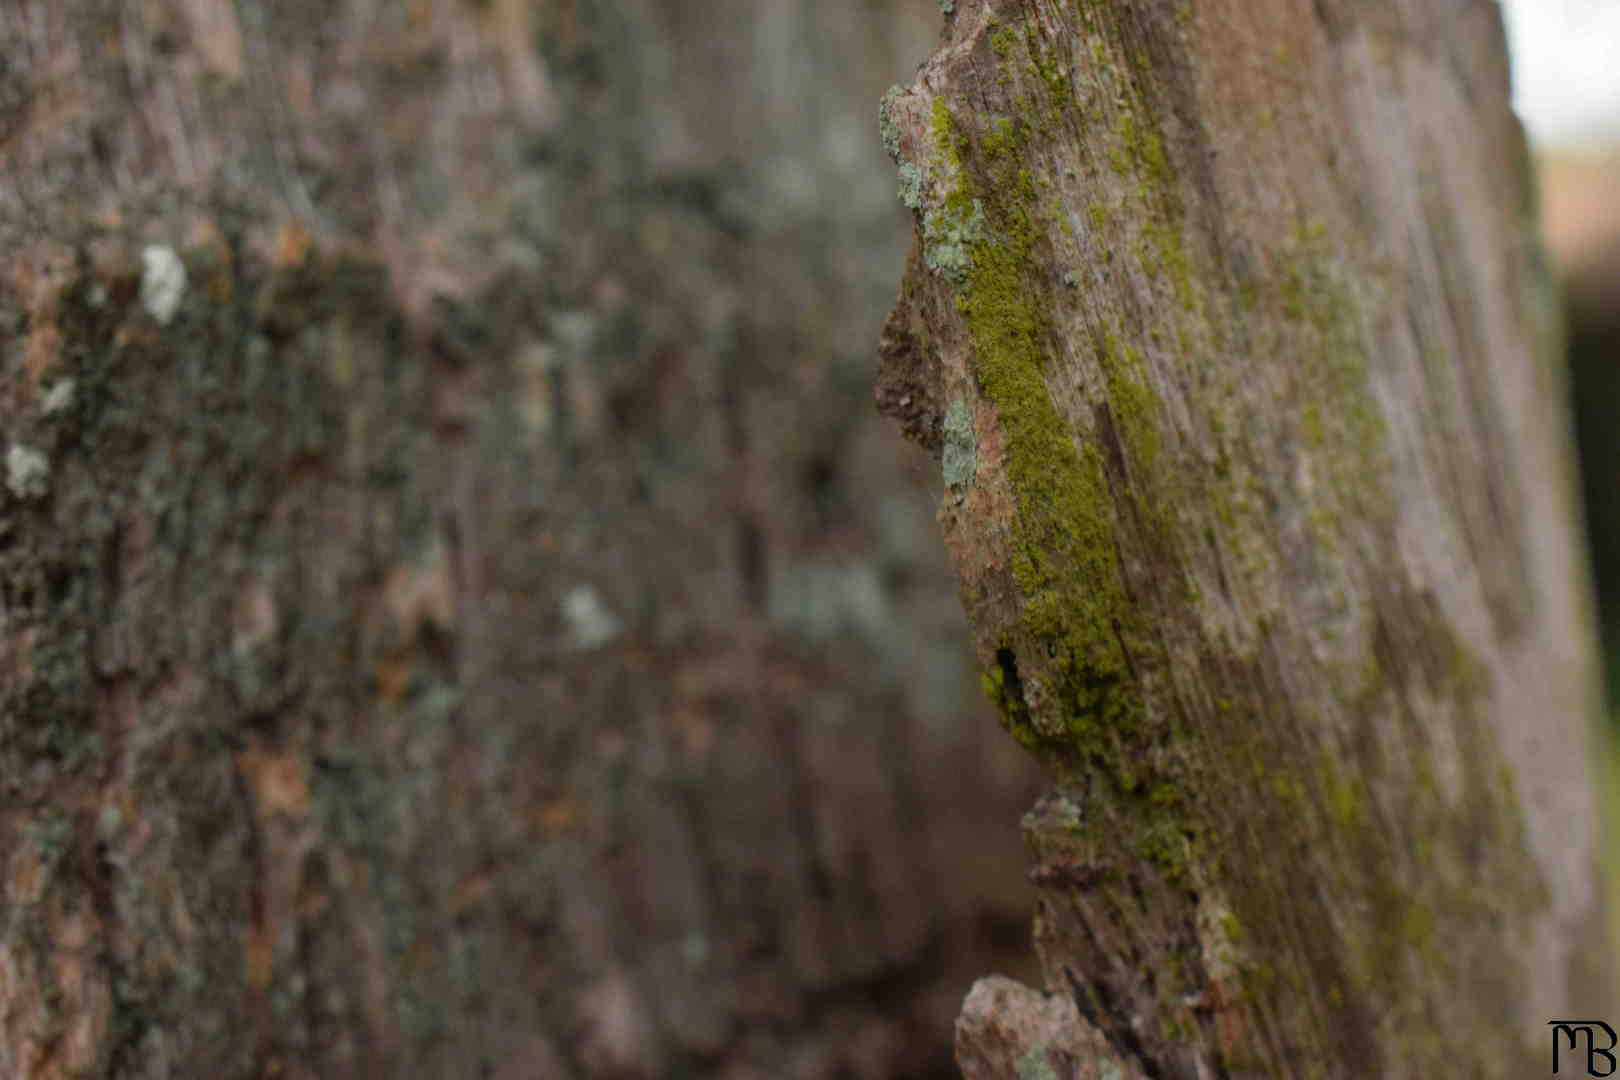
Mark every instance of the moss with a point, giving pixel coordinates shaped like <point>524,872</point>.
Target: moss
<point>1168,256</point>
<point>1310,422</point>
<point>1166,794</point>
<point>1341,418</point>
<point>1417,926</point>
<point>1119,160</point>
<point>1063,559</point>
<point>1004,139</point>
<point>1140,151</point>
<point>943,129</point>
<point>1163,843</point>
<point>1134,404</point>
<point>1344,796</point>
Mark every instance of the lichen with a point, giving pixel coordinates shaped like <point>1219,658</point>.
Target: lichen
<point>163,282</point>
<point>888,129</point>
<point>912,181</point>
<point>28,472</point>
<point>590,623</point>
<point>949,235</point>
<point>59,398</point>
<point>960,457</point>
<point>1034,1065</point>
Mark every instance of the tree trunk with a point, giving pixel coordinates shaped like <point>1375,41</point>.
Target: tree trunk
<point>1229,325</point>
<point>462,616</point>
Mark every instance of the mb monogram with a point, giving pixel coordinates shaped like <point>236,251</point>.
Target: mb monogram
<point>1567,1035</point>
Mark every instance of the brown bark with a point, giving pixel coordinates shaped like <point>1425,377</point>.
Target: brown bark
<point>473,624</point>
<point>1230,326</point>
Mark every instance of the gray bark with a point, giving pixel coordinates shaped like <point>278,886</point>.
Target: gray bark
<point>475,624</point>
<point>1230,326</point>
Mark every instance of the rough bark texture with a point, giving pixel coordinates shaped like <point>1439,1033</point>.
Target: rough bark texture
<point>1229,325</point>
<point>473,623</point>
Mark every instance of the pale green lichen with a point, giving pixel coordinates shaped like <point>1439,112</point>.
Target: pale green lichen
<point>888,129</point>
<point>960,455</point>
<point>59,398</point>
<point>589,621</point>
<point>1034,1065</point>
<point>913,185</point>
<point>28,472</point>
<point>949,235</point>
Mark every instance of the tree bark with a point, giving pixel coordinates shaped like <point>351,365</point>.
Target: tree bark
<point>1229,325</point>
<point>461,614</point>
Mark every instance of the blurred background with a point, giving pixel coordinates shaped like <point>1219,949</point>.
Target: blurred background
<point>1566,71</point>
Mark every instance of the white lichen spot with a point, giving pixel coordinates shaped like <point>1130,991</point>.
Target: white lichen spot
<point>58,398</point>
<point>28,472</point>
<point>947,6</point>
<point>163,282</point>
<point>590,623</point>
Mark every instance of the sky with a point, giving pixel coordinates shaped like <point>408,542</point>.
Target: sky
<point>1566,69</point>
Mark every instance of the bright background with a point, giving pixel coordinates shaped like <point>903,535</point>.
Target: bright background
<point>1566,69</point>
